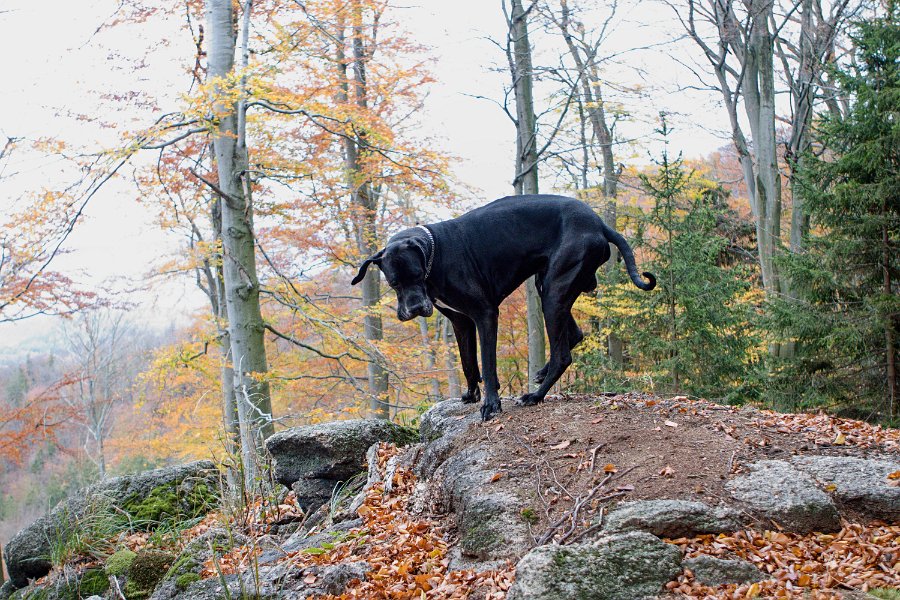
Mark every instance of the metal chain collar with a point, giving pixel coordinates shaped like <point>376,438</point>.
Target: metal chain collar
<point>433,249</point>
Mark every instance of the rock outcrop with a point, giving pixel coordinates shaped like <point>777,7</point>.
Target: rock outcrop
<point>859,484</point>
<point>626,566</point>
<point>710,570</point>
<point>315,459</point>
<point>776,491</point>
<point>144,500</point>
<point>672,518</point>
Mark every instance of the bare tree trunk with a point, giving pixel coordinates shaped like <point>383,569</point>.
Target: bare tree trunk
<point>890,351</point>
<point>526,177</point>
<point>245,324</point>
<point>216,291</point>
<point>364,198</point>
<point>453,387</point>
<point>585,59</point>
<point>430,361</point>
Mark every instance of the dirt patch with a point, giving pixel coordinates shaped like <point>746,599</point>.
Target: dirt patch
<point>646,447</point>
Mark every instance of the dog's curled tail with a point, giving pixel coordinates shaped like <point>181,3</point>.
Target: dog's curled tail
<point>615,238</point>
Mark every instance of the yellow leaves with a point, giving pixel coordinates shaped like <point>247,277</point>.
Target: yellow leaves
<point>840,439</point>
<point>610,468</point>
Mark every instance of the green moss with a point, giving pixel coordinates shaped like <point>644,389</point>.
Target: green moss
<point>885,593</point>
<point>405,435</point>
<point>185,564</point>
<point>529,516</point>
<point>93,582</point>
<point>133,592</point>
<point>118,563</point>
<point>164,503</point>
<point>146,570</point>
<point>40,593</point>
<point>183,581</point>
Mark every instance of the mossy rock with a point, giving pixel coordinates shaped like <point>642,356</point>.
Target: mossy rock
<point>147,569</point>
<point>148,499</point>
<point>168,503</point>
<point>93,582</point>
<point>118,563</point>
<point>186,579</point>
<point>31,593</point>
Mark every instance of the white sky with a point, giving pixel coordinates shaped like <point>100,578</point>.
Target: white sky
<point>51,63</point>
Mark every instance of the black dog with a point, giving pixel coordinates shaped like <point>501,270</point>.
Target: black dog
<point>468,265</point>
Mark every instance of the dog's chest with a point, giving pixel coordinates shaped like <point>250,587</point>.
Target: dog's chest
<point>442,304</point>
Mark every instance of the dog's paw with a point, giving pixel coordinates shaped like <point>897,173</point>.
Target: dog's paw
<point>529,400</point>
<point>472,396</point>
<point>489,409</point>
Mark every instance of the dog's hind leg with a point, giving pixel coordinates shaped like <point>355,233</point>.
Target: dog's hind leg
<point>466,336</point>
<point>575,337</point>
<point>563,283</point>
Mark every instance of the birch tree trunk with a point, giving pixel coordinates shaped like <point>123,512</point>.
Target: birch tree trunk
<point>526,177</point>
<point>245,324</point>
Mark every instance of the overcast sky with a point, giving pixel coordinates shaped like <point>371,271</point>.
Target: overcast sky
<point>54,65</point>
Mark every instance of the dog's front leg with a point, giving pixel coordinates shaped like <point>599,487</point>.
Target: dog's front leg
<point>487,334</point>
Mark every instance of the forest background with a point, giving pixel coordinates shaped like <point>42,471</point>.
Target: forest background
<point>722,138</point>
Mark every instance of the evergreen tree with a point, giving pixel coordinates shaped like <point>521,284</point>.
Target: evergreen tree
<point>690,335</point>
<point>847,322</point>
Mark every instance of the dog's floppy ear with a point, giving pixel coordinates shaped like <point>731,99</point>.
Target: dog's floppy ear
<point>375,258</point>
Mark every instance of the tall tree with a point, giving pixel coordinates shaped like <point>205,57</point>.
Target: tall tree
<point>525,180</point>
<point>741,41</point>
<point>584,51</point>
<point>241,284</point>
<point>96,343</point>
<point>849,323</point>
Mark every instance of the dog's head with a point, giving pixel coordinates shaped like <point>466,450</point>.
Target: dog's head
<point>403,263</point>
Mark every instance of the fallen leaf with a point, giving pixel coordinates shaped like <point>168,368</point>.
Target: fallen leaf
<point>562,445</point>
<point>840,440</point>
<point>610,468</point>
<point>671,424</point>
<point>667,471</point>
<point>498,427</point>
<point>752,591</point>
<point>894,475</point>
<point>830,487</point>
<point>497,477</point>
<point>310,579</point>
<point>597,420</point>
<point>625,488</point>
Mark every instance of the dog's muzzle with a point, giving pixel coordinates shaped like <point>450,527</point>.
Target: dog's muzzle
<point>423,309</point>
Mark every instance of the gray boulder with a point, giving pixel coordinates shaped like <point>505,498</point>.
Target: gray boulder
<point>439,427</point>
<point>487,514</point>
<point>779,492</point>
<point>858,483</point>
<point>144,500</point>
<point>672,518</point>
<point>624,566</point>
<point>287,581</point>
<point>190,562</point>
<point>315,459</point>
<point>710,570</point>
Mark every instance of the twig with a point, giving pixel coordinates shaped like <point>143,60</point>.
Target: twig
<point>594,455</point>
